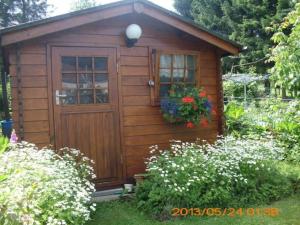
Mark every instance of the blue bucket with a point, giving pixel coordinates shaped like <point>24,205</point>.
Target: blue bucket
<point>7,127</point>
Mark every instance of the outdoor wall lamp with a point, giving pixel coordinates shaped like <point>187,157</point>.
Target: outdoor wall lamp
<point>133,33</point>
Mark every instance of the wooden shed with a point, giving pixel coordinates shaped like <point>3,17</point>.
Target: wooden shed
<point>76,83</point>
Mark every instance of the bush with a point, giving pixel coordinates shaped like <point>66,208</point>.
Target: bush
<point>282,119</point>
<point>42,187</point>
<point>230,173</point>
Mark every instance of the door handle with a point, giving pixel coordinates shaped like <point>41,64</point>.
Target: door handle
<point>58,96</point>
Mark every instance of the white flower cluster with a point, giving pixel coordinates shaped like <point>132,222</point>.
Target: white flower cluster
<point>187,164</point>
<point>42,187</point>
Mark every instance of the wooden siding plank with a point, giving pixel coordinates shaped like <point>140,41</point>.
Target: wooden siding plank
<point>29,59</point>
<point>29,70</point>
<point>33,115</point>
<point>30,82</point>
<point>37,137</point>
<point>31,93</point>
<point>161,138</point>
<point>130,131</point>
<point>141,111</point>
<point>135,71</point>
<point>134,51</point>
<point>135,90</point>
<point>134,61</point>
<point>32,104</point>
<point>136,100</point>
<point>138,80</point>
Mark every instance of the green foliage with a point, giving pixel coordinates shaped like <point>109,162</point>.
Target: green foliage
<point>83,4</point>
<point>244,21</point>
<point>42,187</point>
<point>13,12</point>
<point>4,144</point>
<point>282,119</point>
<point>232,172</point>
<point>286,55</point>
<point>254,90</point>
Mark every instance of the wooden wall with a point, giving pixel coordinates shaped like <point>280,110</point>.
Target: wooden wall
<point>142,124</point>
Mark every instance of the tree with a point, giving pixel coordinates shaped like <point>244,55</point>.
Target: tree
<point>13,12</point>
<point>243,21</point>
<point>184,8</point>
<point>286,54</point>
<point>82,4</point>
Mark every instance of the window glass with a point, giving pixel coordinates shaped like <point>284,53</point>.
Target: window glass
<point>71,97</point>
<point>178,75</point>
<point>85,64</point>
<point>175,69</point>
<point>102,96</point>
<point>69,81</point>
<point>165,61</point>
<point>101,81</point>
<point>178,61</point>
<point>86,96</point>
<point>68,63</point>
<point>165,75</point>
<point>84,84</point>
<point>191,62</point>
<point>100,63</point>
<point>86,80</point>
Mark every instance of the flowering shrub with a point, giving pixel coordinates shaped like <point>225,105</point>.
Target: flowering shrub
<point>187,105</point>
<point>42,187</point>
<point>278,117</point>
<point>230,173</point>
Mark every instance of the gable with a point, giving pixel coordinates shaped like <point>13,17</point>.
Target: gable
<point>48,26</point>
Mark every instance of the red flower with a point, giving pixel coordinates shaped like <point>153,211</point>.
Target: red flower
<point>209,98</point>
<point>204,122</point>
<point>202,94</point>
<point>190,125</point>
<point>187,100</point>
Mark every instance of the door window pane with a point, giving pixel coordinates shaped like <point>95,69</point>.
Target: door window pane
<point>71,97</point>
<point>86,84</point>
<point>165,61</point>
<point>86,96</point>
<point>68,63</point>
<point>86,81</point>
<point>85,64</point>
<point>178,61</point>
<point>100,63</point>
<point>101,81</point>
<point>165,75</point>
<point>102,96</point>
<point>69,81</point>
<point>178,75</point>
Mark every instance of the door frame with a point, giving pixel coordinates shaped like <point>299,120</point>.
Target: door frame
<point>51,96</point>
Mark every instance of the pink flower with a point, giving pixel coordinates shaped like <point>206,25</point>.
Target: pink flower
<point>13,137</point>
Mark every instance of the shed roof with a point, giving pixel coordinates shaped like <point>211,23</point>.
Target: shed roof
<point>30,30</point>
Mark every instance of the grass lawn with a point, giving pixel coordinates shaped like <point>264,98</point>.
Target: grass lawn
<point>124,213</point>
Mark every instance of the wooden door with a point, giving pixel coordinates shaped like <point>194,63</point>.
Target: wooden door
<point>85,102</point>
